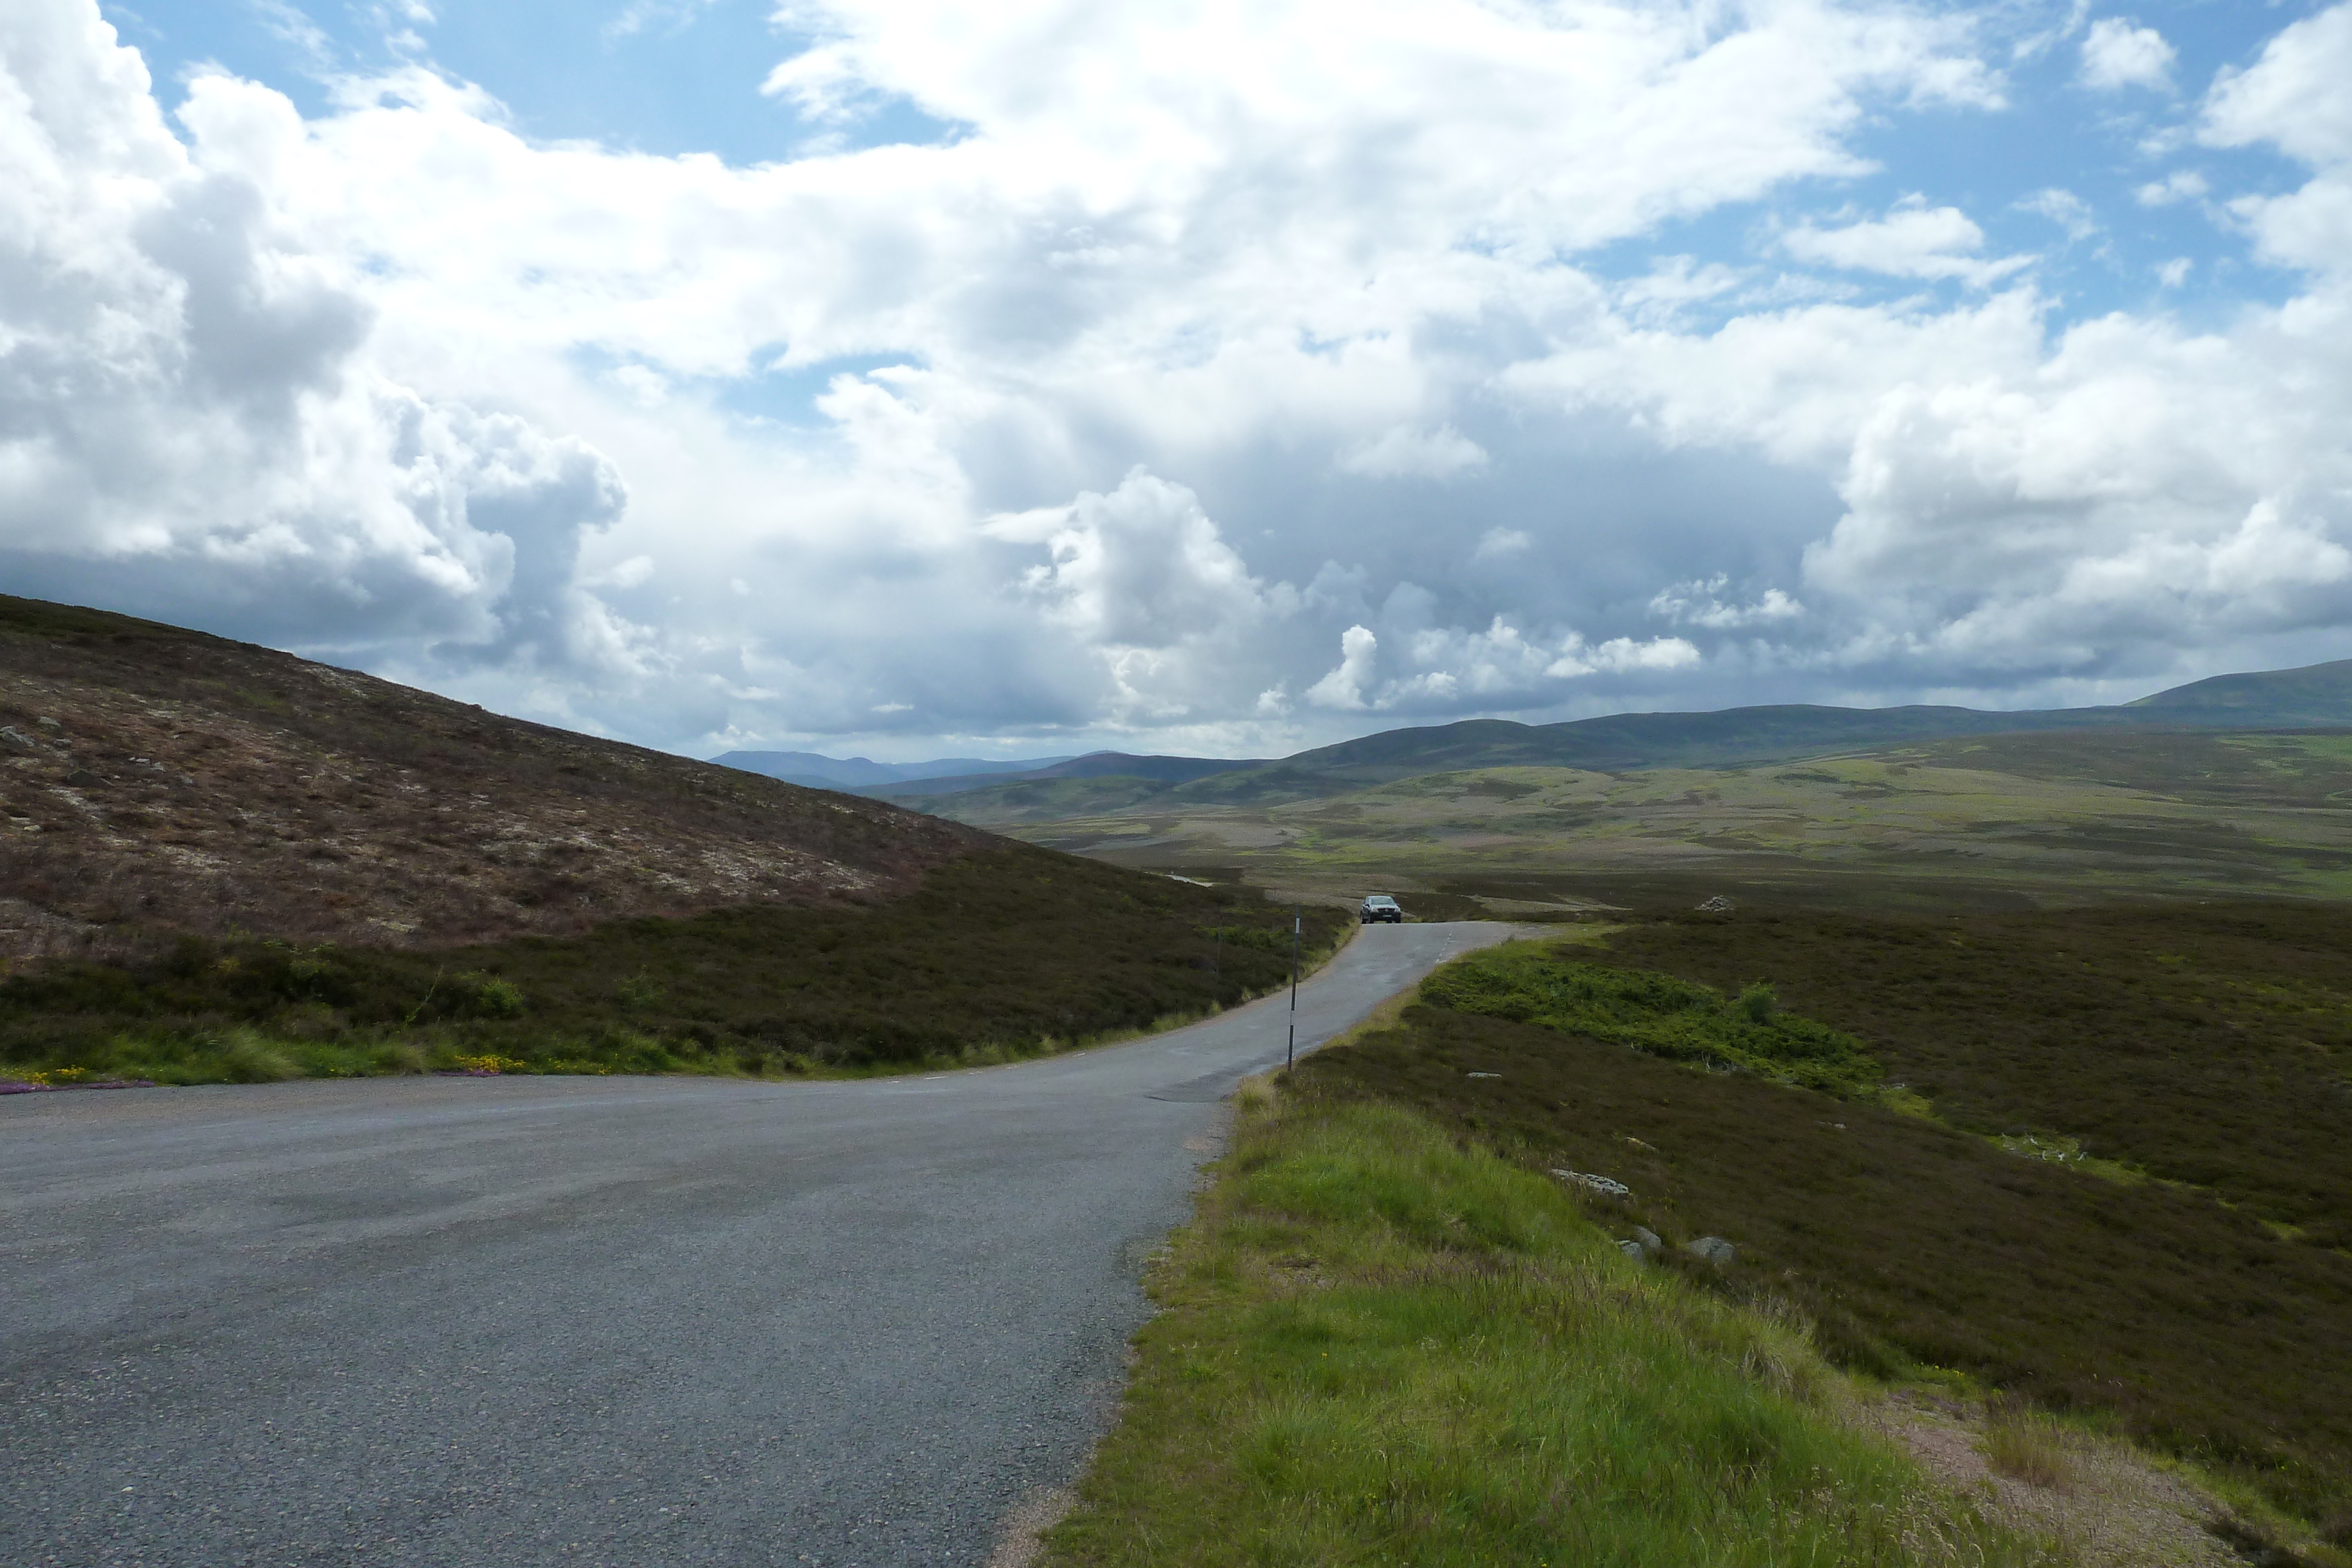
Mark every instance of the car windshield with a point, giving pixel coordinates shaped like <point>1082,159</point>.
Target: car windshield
<point>1380,900</point>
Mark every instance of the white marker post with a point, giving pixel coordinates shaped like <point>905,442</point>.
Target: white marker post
<point>1298,918</point>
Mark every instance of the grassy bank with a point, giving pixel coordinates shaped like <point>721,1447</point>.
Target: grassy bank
<point>1382,1345</point>
<point>2026,1209</point>
<point>998,955</point>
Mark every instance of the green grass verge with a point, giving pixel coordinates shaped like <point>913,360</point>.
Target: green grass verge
<point>1381,1346</point>
<point>1000,955</point>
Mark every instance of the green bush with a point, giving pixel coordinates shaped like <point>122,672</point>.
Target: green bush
<point>490,997</point>
<point>1527,983</point>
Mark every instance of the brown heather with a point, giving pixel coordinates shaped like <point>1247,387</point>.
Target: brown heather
<point>200,785</point>
<point>221,863</point>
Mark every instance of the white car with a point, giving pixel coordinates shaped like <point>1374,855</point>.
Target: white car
<point>1381,907</point>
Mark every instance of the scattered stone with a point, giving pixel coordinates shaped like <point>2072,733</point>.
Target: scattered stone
<point>82,778</point>
<point>1718,904</point>
<point>1486,1075</point>
<point>17,739</point>
<point>1714,1249</point>
<point>1608,1187</point>
<point>1629,1138</point>
<point>1633,1250</point>
<point>1648,1241</point>
<point>52,725</point>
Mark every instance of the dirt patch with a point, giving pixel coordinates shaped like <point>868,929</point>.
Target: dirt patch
<point>1022,1543</point>
<point>2109,1503</point>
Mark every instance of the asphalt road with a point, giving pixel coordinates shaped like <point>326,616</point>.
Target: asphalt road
<point>625,1320</point>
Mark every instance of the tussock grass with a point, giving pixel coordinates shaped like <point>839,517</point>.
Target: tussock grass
<point>1383,1346</point>
<point>2029,1446</point>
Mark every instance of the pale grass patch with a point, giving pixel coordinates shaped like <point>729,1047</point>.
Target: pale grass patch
<point>2110,1504</point>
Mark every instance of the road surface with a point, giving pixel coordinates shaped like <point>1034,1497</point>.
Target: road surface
<point>629,1321</point>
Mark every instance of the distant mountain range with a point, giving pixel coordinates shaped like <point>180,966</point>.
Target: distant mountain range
<point>2318,696</point>
<point>819,772</point>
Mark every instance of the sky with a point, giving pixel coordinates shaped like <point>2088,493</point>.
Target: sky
<point>909,379</point>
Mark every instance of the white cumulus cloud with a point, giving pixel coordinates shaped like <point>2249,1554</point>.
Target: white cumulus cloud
<point>2117,54</point>
<point>1200,343</point>
<point>1914,240</point>
<point>1350,680</point>
<point>1428,454</point>
<point>1700,602</point>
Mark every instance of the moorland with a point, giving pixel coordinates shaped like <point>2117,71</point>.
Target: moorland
<point>2069,1182</point>
<point>219,862</point>
<point>2093,1157</point>
<point>2014,1065</point>
<point>1987,818</point>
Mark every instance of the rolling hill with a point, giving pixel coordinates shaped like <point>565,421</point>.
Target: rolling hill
<point>221,862</point>
<point>814,771</point>
<point>2039,816</point>
<point>2319,696</point>
<point>157,778</point>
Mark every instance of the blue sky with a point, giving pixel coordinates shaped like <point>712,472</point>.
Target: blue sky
<point>905,378</point>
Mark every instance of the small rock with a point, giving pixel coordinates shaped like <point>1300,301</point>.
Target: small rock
<point>1718,904</point>
<point>1648,1241</point>
<point>82,778</point>
<point>1714,1249</point>
<point>1606,1185</point>
<point>17,739</point>
<point>1633,1250</point>
<point>1485,1075</point>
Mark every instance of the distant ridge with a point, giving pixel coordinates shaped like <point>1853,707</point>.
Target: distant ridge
<point>1093,765</point>
<point>2316,696</point>
<point>817,771</point>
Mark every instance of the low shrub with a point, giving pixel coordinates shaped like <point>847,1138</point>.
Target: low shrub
<point>1529,983</point>
<point>998,955</point>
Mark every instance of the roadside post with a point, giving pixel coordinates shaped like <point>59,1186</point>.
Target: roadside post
<point>1298,918</point>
